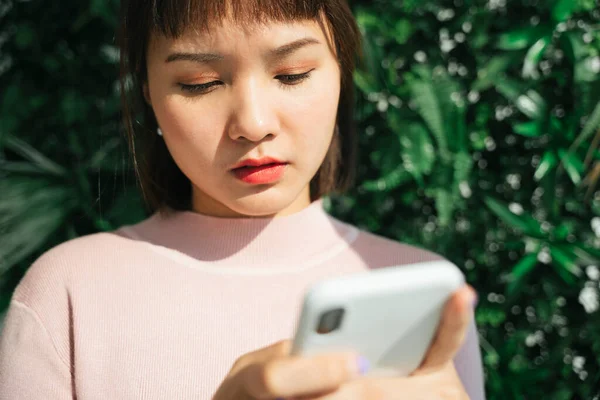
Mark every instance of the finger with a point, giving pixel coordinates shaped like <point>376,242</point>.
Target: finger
<point>451,331</point>
<point>442,384</point>
<point>299,376</point>
<point>262,355</point>
<point>382,388</point>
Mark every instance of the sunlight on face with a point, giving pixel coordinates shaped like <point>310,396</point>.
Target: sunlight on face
<point>232,95</point>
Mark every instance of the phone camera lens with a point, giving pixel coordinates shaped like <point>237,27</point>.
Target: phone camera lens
<point>330,321</point>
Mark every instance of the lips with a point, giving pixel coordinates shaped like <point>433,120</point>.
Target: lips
<point>257,162</point>
<point>260,171</point>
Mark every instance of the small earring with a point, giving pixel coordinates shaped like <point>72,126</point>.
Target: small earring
<point>159,131</point>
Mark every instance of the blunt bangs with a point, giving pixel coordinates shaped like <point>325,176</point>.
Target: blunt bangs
<point>173,17</point>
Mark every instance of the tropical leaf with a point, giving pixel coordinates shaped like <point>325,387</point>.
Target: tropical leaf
<point>492,71</point>
<point>563,9</point>
<point>520,38</point>
<point>592,124</point>
<point>444,204</point>
<point>390,181</point>
<point>529,102</point>
<point>549,161</point>
<point>418,154</point>
<point>565,264</point>
<point>520,271</point>
<point>27,225</point>
<point>429,109</point>
<point>533,57</point>
<point>33,156</point>
<point>528,129</point>
<point>463,166</point>
<point>573,165</point>
<point>524,223</point>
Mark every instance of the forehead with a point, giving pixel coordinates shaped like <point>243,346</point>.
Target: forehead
<point>228,34</point>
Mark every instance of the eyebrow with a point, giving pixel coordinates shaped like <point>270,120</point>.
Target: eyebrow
<point>274,54</point>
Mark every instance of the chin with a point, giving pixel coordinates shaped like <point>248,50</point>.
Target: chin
<point>260,202</point>
<point>266,203</point>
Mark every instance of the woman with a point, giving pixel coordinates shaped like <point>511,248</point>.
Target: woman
<point>239,115</point>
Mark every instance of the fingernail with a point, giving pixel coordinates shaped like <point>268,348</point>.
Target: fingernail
<point>363,365</point>
<point>475,299</point>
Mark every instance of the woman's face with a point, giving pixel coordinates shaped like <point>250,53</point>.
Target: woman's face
<point>231,95</point>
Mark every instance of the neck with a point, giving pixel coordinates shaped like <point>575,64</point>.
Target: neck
<point>285,242</point>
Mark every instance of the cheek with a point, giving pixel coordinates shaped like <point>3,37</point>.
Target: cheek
<point>316,113</point>
<point>192,131</point>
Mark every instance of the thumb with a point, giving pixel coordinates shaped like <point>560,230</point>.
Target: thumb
<point>451,330</point>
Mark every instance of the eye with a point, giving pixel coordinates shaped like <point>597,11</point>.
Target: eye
<point>293,80</point>
<point>198,89</point>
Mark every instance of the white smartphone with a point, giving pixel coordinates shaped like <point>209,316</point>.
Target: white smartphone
<point>388,315</point>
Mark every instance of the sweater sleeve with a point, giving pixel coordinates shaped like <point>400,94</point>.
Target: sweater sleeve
<point>469,366</point>
<point>30,367</point>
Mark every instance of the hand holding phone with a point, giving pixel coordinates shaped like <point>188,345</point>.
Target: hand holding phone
<point>389,315</point>
<point>272,372</point>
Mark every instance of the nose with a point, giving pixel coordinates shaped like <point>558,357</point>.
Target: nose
<point>254,116</point>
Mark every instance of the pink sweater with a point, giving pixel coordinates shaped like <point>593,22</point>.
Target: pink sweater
<point>162,309</point>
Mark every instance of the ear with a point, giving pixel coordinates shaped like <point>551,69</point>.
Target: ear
<point>146,91</point>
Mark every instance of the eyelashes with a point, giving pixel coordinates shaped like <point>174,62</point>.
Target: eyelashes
<point>285,82</point>
<point>198,89</point>
<point>289,81</point>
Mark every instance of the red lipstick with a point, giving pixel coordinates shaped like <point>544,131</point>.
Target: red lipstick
<point>259,171</point>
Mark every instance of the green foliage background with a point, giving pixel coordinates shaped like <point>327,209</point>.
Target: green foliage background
<point>480,131</point>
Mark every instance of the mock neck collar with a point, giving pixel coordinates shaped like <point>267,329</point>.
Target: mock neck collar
<point>279,242</point>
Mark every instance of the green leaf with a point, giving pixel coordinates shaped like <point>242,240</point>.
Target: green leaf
<point>528,102</point>
<point>518,39</point>
<point>582,254</point>
<point>390,181</point>
<point>548,162</point>
<point>562,231</point>
<point>444,204</point>
<point>563,9</point>
<point>574,47</point>
<point>365,82</point>
<point>520,271</point>
<point>565,265</point>
<point>463,165</point>
<point>487,76</point>
<point>431,110</point>
<point>573,165</point>
<point>533,57</point>
<point>372,53</point>
<point>97,159</point>
<point>21,167</point>
<point>366,20</point>
<point>528,129</point>
<point>128,208</point>
<point>403,30</point>
<point>25,36</point>
<point>524,223</point>
<point>589,129</point>
<point>31,210</point>
<point>585,70</point>
<point>418,154</point>
<point>35,157</point>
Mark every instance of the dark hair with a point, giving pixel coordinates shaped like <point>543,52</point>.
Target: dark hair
<point>162,182</point>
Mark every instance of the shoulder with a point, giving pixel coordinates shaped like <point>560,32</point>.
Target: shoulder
<point>52,273</point>
<point>378,251</point>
